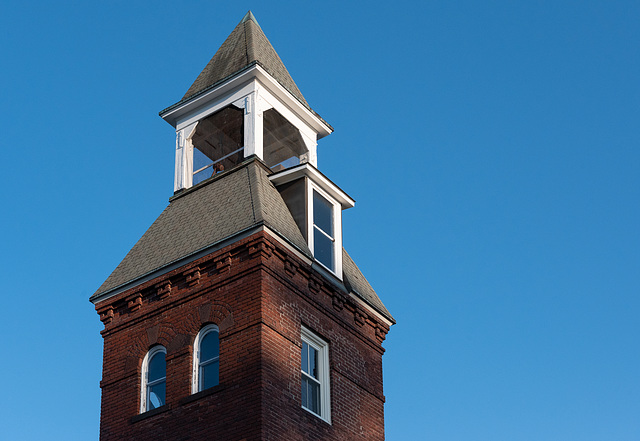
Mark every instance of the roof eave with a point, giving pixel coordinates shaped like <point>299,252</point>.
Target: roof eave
<point>173,114</point>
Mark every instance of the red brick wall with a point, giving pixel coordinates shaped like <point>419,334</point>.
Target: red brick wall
<point>259,294</point>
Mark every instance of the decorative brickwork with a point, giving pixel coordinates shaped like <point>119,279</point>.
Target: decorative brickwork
<point>259,294</point>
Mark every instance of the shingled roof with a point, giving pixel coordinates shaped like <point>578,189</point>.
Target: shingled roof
<point>213,213</point>
<point>245,46</point>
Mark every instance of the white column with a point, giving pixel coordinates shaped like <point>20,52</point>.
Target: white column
<point>253,132</point>
<point>178,182</point>
<point>184,157</point>
<point>312,149</point>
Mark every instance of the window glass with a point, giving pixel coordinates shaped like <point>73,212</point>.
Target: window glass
<point>209,347</point>
<point>322,214</point>
<point>157,367</point>
<point>314,378</point>
<point>209,375</point>
<point>157,395</point>
<point>323,248</point>
<point>311,395</point>
<point>206,359</point>
<point>323,237</point>
<point>305,357</point>
<point>154,379</point>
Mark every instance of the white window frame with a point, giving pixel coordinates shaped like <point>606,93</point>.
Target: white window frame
<point>195,375</point>
<point>337,227</point>
<point>322,347</point>
<point>144,383</point>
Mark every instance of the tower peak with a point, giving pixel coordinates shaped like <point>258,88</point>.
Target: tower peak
<point>245,46</point>
<point>249,16</point>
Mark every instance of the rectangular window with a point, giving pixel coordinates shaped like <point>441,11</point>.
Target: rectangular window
<point>323,231</point>
<point>315,375</point>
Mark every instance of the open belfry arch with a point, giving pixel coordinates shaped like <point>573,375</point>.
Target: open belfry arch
<point>239,315</point>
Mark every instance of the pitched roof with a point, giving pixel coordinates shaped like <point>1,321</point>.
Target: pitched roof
<point>358,284</point>
<point>245,46</point>
<point>210,214</point>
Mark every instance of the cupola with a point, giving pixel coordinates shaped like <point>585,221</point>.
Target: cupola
<point>244,103</point>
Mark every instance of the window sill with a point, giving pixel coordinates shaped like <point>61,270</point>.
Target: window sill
<point>150,413</point>
<point>204,393</point>
<point>318,417</point>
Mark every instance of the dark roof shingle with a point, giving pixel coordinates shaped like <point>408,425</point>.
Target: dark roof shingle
<point>246,45</point>
<point>212,212</point>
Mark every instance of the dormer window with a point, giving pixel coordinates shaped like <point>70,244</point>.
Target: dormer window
<point>324,241</point>
<point>316,205</point>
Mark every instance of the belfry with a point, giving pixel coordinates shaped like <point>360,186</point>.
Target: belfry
<point>239,315</point>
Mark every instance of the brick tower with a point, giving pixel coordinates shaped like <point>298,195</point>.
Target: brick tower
<point>238,315</point>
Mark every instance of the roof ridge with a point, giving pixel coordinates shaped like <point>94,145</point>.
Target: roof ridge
<point>251,52</point>
<point>246,44</point>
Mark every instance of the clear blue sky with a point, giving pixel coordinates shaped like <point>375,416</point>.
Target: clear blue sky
<point>493,149</point>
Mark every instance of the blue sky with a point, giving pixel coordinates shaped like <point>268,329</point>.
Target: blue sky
<point>492,149</point>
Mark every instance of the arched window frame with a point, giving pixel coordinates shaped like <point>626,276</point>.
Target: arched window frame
<point>195,377</point>
<point>144,382</point>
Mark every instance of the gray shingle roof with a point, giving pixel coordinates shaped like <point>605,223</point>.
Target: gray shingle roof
<point>245,46</point>
<point>212,212</point>
<point>356,282</point>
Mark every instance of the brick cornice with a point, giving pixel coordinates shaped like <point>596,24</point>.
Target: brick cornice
<point>217,268</point>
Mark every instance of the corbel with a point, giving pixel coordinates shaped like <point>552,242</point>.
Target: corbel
<point>381,333</point>
<point>260,247</point>
<point>223,262</point>
<point>337,302</point>
<point>314,284</point>
<point>359,318</point>
<point>193,276</point>
<point>135,302</point>
<point>106,315</point>
<point>164,289</point>
<point>290,267</point>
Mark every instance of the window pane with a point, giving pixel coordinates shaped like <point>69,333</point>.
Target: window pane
<point>323,248</point>
<point>313,363</point>
<point>305,357</point>
<point>322,214</point>
<point>156,395</point>
<point>314,397</point>
<point>209,375</point>
<point>209,346</point>
<point>157,367</point>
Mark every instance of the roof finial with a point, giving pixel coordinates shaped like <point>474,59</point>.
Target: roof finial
<point>249,16</point>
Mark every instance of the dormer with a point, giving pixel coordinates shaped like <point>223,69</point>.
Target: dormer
<point>316,205</point>
<point>243,103</point>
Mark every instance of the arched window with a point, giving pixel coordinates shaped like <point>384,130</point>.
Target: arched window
<point>154,379</point>
<point>206,356</point>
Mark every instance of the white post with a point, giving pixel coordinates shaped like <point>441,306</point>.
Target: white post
<point>178,182</point>
<point>184,158</point>
<point>312,149</point>
<point>253,135</point>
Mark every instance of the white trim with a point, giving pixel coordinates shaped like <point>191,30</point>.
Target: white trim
<point>236,96</point>
<point>324,377</point>
<point>337,227</point>
<point>179,115</point>
<point>195,372</point>
<point>314,175</point>
<point>144,389</point>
